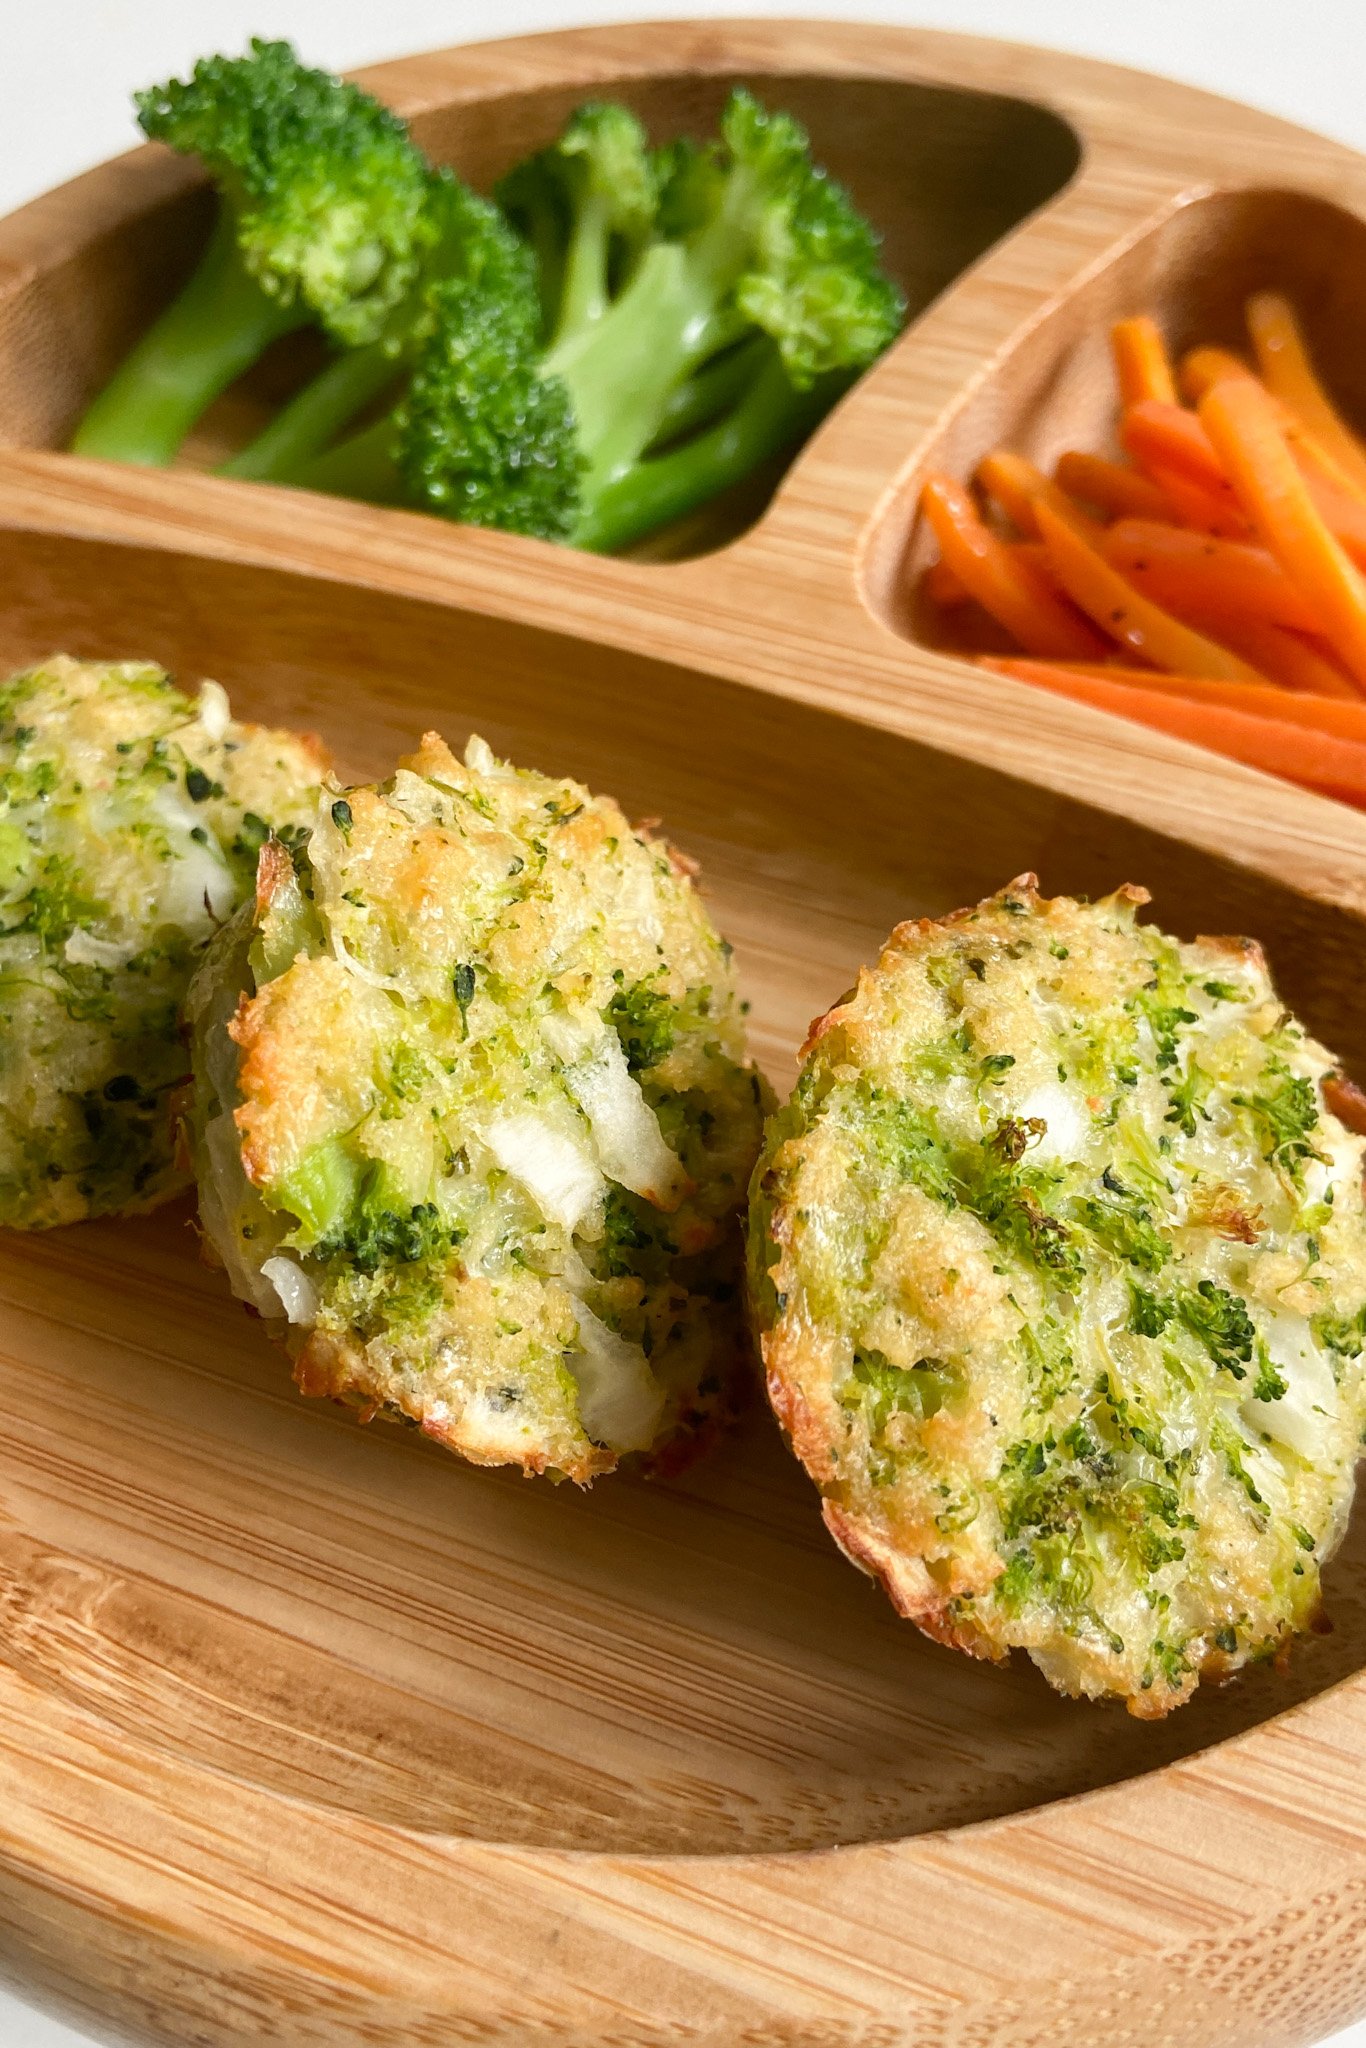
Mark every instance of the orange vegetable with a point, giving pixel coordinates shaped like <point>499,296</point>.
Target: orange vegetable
<point>1201,368</point>
<point>1012,590</point>
<point>1242,426</point>
<point>1223,560</point>
<point>1205,367</point>
<point>1282,657</point>
<point>1346,720</point>
<point>1015,483</point>
<point>1183,569</point>
<point>1128,617</point>
<point>1322,761</point>
<point>1141,361</point>
<point>943,588</point>
<point>1344,516</point>
<point>1174,438</point>
<point>1118,492</point>
<point>1290,376</point>
<point>1202,510</point>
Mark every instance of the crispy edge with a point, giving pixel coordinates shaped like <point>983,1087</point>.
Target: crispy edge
<point>328,1368</point>
<point>786,1356</point>
<point>914,933</point>
<point>905,1586</point>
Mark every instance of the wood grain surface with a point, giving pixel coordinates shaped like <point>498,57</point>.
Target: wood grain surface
<point>313,1735</point>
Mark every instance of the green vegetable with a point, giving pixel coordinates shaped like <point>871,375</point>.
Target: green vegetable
<point>323,214</point>
<point>381,1229</point>
<point>1283,1115</point>
<point>467,240</point>
<point>541,409</point>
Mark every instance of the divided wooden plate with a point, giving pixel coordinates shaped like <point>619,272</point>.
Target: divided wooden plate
<point>313,1735</point>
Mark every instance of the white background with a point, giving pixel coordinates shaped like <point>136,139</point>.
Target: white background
<point>67,68</point>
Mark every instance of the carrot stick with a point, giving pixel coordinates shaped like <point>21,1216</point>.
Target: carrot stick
<point>1289,374</point>
<point>1141,361</point>
<point>1167,440</point>
<point>1128,617</point>
<point>1015,594</point>
<point>1201,510</point>
<point>1179,568</point>
<point>1321,760</point>
<point>1173,437</point>
<point>1347,721</point>
<point>1344,516</point>
<point>1242,426</point>
<point>1015,483</point>
<point>1118,492</point>
<point>1282,657</point>
<point>942,587</point>
<point>1320,466</point>
<point>1202,368</point>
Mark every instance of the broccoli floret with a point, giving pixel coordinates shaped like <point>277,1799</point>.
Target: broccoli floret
<point>479,435</point>
<point>471,240</point>
<point>704,306</point>
<point>587,207</point>
<point>324,215</point>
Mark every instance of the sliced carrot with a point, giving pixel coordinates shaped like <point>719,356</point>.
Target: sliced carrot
<point>1014,592</point>
<point>942,587</point>
<point>1173,437</point>
<point>1014,482</point>
<point>1282,657</point>
<point>1128,617</point>
<point>1322,761</point>
<point>1205,512</point>
<point>1347,721</point>
<point>1242,426</point>
<point>1320,466</point>
<point>1290,376</point>
<point>1141,361</point>
<point>1343,515</point>
<point>1113,489</point>
<point>1201,368</point>
<point>1180,568</point>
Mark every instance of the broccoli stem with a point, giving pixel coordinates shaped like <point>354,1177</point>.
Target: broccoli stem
<point>216,329</point>
<point>583,283</point>
<point>316,415</point>
<point>621,371</point>
<point>770,416</point>
<point>361,467</point>
<point>710,391</point>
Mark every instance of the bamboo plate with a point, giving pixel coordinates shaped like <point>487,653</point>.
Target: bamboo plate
<point>313,1735</point>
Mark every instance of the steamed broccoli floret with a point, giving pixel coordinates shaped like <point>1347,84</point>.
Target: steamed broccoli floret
<point>470,240</point>
<point>704,306</point>
<point>478,435</point>
<point>324,214</point>
<point>587,206</point>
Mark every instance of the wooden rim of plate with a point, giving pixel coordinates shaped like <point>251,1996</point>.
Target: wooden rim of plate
<point>1151,1909</point>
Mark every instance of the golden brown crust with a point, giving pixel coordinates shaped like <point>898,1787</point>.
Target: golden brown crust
<point>289,1101</point>
<point>1068,1022</point>
<point>332,1368</point>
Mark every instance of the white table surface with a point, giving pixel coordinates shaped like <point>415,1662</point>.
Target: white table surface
<point>67,68</point>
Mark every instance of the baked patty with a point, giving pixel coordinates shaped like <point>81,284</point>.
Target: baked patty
<point>130,822</point>
<point>1058,1261</point>
<point>473,1112</point>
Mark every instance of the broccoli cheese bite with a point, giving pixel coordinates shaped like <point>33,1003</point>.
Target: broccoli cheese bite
<point>130,820</point>
<point>473,1112</point>
<point>1059,1260</point>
